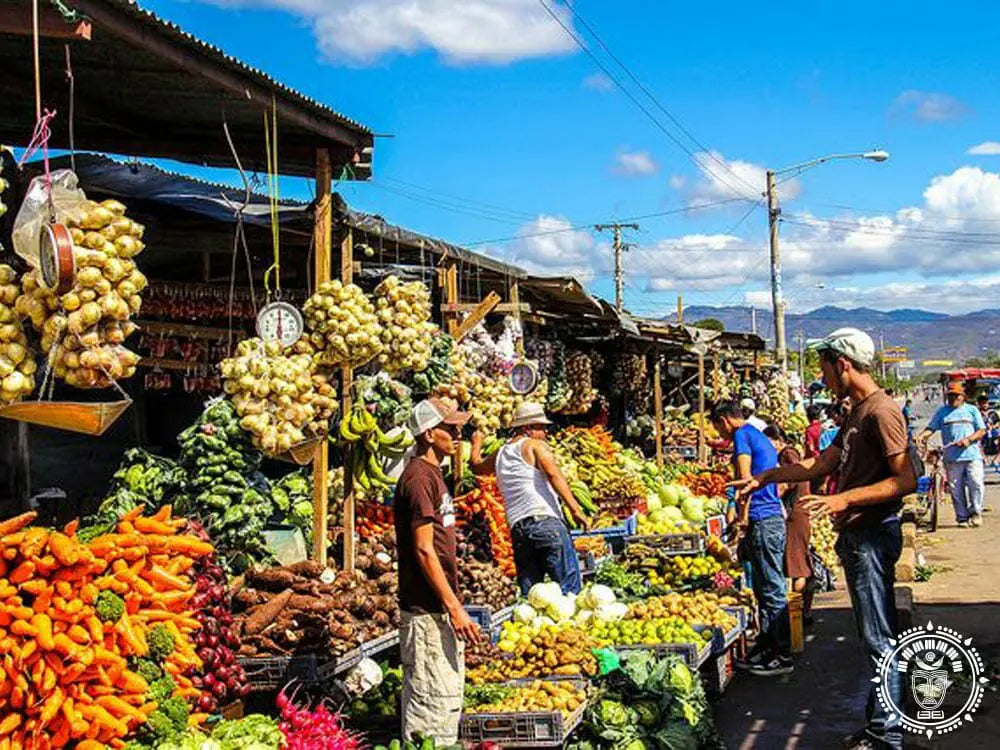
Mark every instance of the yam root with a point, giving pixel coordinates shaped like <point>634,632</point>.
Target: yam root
<point>263,615</point>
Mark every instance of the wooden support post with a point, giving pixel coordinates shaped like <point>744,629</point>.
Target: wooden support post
<point>658,411</point>
<point>346,381</point>
<point>323,230</point>
<point>701,407</point>
<point>716,376</point>
<point>451,297</point>
<point>473,319</point>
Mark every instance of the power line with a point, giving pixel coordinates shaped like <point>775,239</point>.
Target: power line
<point>449,206</point>
<point>656,102</point>
<point>652,118</point>
<point>460,200</point>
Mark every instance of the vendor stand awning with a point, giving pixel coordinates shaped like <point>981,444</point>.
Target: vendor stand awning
<point>143,85</point>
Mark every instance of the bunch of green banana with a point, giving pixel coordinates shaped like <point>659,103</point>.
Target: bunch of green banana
<point>360,428</point>
<point>583,496</point>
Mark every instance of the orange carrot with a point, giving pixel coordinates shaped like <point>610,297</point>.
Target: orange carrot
<point>43,625</point>
<point>22,572</point>
<point>15,524</point>
<point>163,579</point>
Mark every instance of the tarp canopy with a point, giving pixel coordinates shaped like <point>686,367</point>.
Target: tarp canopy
<point>143,86</point>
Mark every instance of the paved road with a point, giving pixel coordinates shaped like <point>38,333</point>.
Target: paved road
<point>823,701</point>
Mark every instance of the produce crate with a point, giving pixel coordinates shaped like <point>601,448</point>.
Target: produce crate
<point>499,618</point>
<point>626,528</point>
<point>378,730</point>
<point>378,645</point>
<point>672,544</point>
<point>481,615</point>
<point>275,672</point>
<point>684,451</point>
<point>530,729</point>
<point>694,655</point>
<point>717,672</point>
<point>347,661</point>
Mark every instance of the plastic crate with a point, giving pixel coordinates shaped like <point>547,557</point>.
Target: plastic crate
<point>626,528</point>
<point>694,655</point>
<point>276,671</point>
<point>378,645</point>
<point>684,451</point>
<point>672,544</point>
<point>338,666</point>
<point>481,615</point>
<point>717,672</point>
<point>532,729</point>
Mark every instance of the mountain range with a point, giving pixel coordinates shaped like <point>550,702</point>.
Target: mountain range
<point>925,334</point>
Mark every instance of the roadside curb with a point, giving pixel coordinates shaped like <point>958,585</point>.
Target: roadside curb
<point>906,566</point>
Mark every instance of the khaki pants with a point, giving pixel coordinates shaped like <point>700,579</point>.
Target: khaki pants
<point>433,677</point>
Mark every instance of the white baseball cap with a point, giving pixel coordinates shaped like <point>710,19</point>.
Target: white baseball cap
<point>853,343</point>
<point>748,403</point>
<point>431,412</point>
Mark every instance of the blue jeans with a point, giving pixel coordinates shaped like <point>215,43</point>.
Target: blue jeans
<point>869,558</point>
<point>543,545</point>
<point>767,561</point>
<point>967,479</point>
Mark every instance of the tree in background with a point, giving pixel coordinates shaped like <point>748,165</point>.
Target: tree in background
<point>710,324</point>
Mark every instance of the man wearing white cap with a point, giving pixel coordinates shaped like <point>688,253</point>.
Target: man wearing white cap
<point>871,453</point>
<point>532,485</point>
<point>748,406</point>
<point>434,623</point>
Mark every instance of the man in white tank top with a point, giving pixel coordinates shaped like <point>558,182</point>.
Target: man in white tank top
<point>532,486</point>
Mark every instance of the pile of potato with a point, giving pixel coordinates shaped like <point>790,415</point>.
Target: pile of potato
<point>88,325</point>
<point>17,364</point>
<point>404,312</point>
<point>344,325</point>
<point>275,395</point>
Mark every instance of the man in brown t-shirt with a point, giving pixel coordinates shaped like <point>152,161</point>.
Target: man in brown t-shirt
<point>870,453</point>
<point>434,624</point>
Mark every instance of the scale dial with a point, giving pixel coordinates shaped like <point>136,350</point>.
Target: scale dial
<point>55,258</point>
<point>281,322</point>
<point>523,377</point>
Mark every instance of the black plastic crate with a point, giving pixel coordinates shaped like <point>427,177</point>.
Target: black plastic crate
<point>693,654</point>
<point>338,666</point>
<point>275,672</point>
<point>381,644</point>
<point>481,615</point>
<point>531,729</point>
<point>717,672</point>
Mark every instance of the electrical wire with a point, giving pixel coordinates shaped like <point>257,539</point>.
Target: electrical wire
<point>458,199</point>
<point>754,189</point>
<point>642,108</point>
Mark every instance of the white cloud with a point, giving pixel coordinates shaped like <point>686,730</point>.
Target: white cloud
<point>636,164</point>
<point>723,179</point>
<point>549,246</point>
<point>986,148</point>
<point>928,106</point>
<point>599,82</point>
<point>677,181</point>
<point>469,32</point>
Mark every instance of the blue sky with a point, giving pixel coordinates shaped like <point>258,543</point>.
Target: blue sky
<point>502,127</point>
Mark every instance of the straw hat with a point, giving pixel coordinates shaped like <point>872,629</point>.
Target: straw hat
<point>529,413</point>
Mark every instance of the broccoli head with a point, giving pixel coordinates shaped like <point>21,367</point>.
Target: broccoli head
<point>161,689</point>
<point>109,606</point>
<point>147,669</point>
<point>159,727</point>
<point>161,643</point>
<point>175,709</point>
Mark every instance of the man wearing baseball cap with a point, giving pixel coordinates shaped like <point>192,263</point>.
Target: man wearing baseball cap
<point>434,625</point>
<point>962,427</point>
<point>749,408</point>
<point>871,453</point>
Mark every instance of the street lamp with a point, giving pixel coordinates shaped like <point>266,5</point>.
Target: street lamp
<point>773,212</point>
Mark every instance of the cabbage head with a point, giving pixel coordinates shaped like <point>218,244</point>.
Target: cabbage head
<point>694,510</point>
<point>542,595</point>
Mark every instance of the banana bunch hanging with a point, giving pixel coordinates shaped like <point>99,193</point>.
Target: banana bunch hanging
<point>360,428</point>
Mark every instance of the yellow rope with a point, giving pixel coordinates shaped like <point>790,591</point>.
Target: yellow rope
<point>271,146</point>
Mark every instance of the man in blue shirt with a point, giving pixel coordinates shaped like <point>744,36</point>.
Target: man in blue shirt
<point>962,427</point>
<point>763,524</point>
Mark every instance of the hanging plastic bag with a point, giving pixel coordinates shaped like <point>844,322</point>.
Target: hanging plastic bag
<point>68,202</point>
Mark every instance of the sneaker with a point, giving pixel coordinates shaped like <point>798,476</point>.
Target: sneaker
<point>754,658</point>
<point>777,665</point>
<point>963,524</point>
<point>976,520</point>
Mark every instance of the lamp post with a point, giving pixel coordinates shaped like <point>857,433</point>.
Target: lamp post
<point>773,213</point>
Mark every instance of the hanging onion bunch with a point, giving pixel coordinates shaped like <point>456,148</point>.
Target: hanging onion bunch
<point>274,395</point>
<point>88,325</point>
<point>543,352</point>
<point>17,365</point>
<point>404,313</point>
<point>343,324</point>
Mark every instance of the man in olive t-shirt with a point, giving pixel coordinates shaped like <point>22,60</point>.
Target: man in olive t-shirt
<point>870,453</point>
<point>434,624</point>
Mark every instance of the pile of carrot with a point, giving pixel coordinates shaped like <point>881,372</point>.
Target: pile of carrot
<point>487,499</point>
<point>66,680</point>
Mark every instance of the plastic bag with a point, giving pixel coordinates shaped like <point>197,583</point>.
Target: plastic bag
<point>68,202</point>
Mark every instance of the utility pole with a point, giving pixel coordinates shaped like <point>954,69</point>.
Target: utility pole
<point>619,249</point>
<point>773,212</point>
<point>802,362</point>
<point>753,320</point>
<point>881,346</point>
<point>680,310</point>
